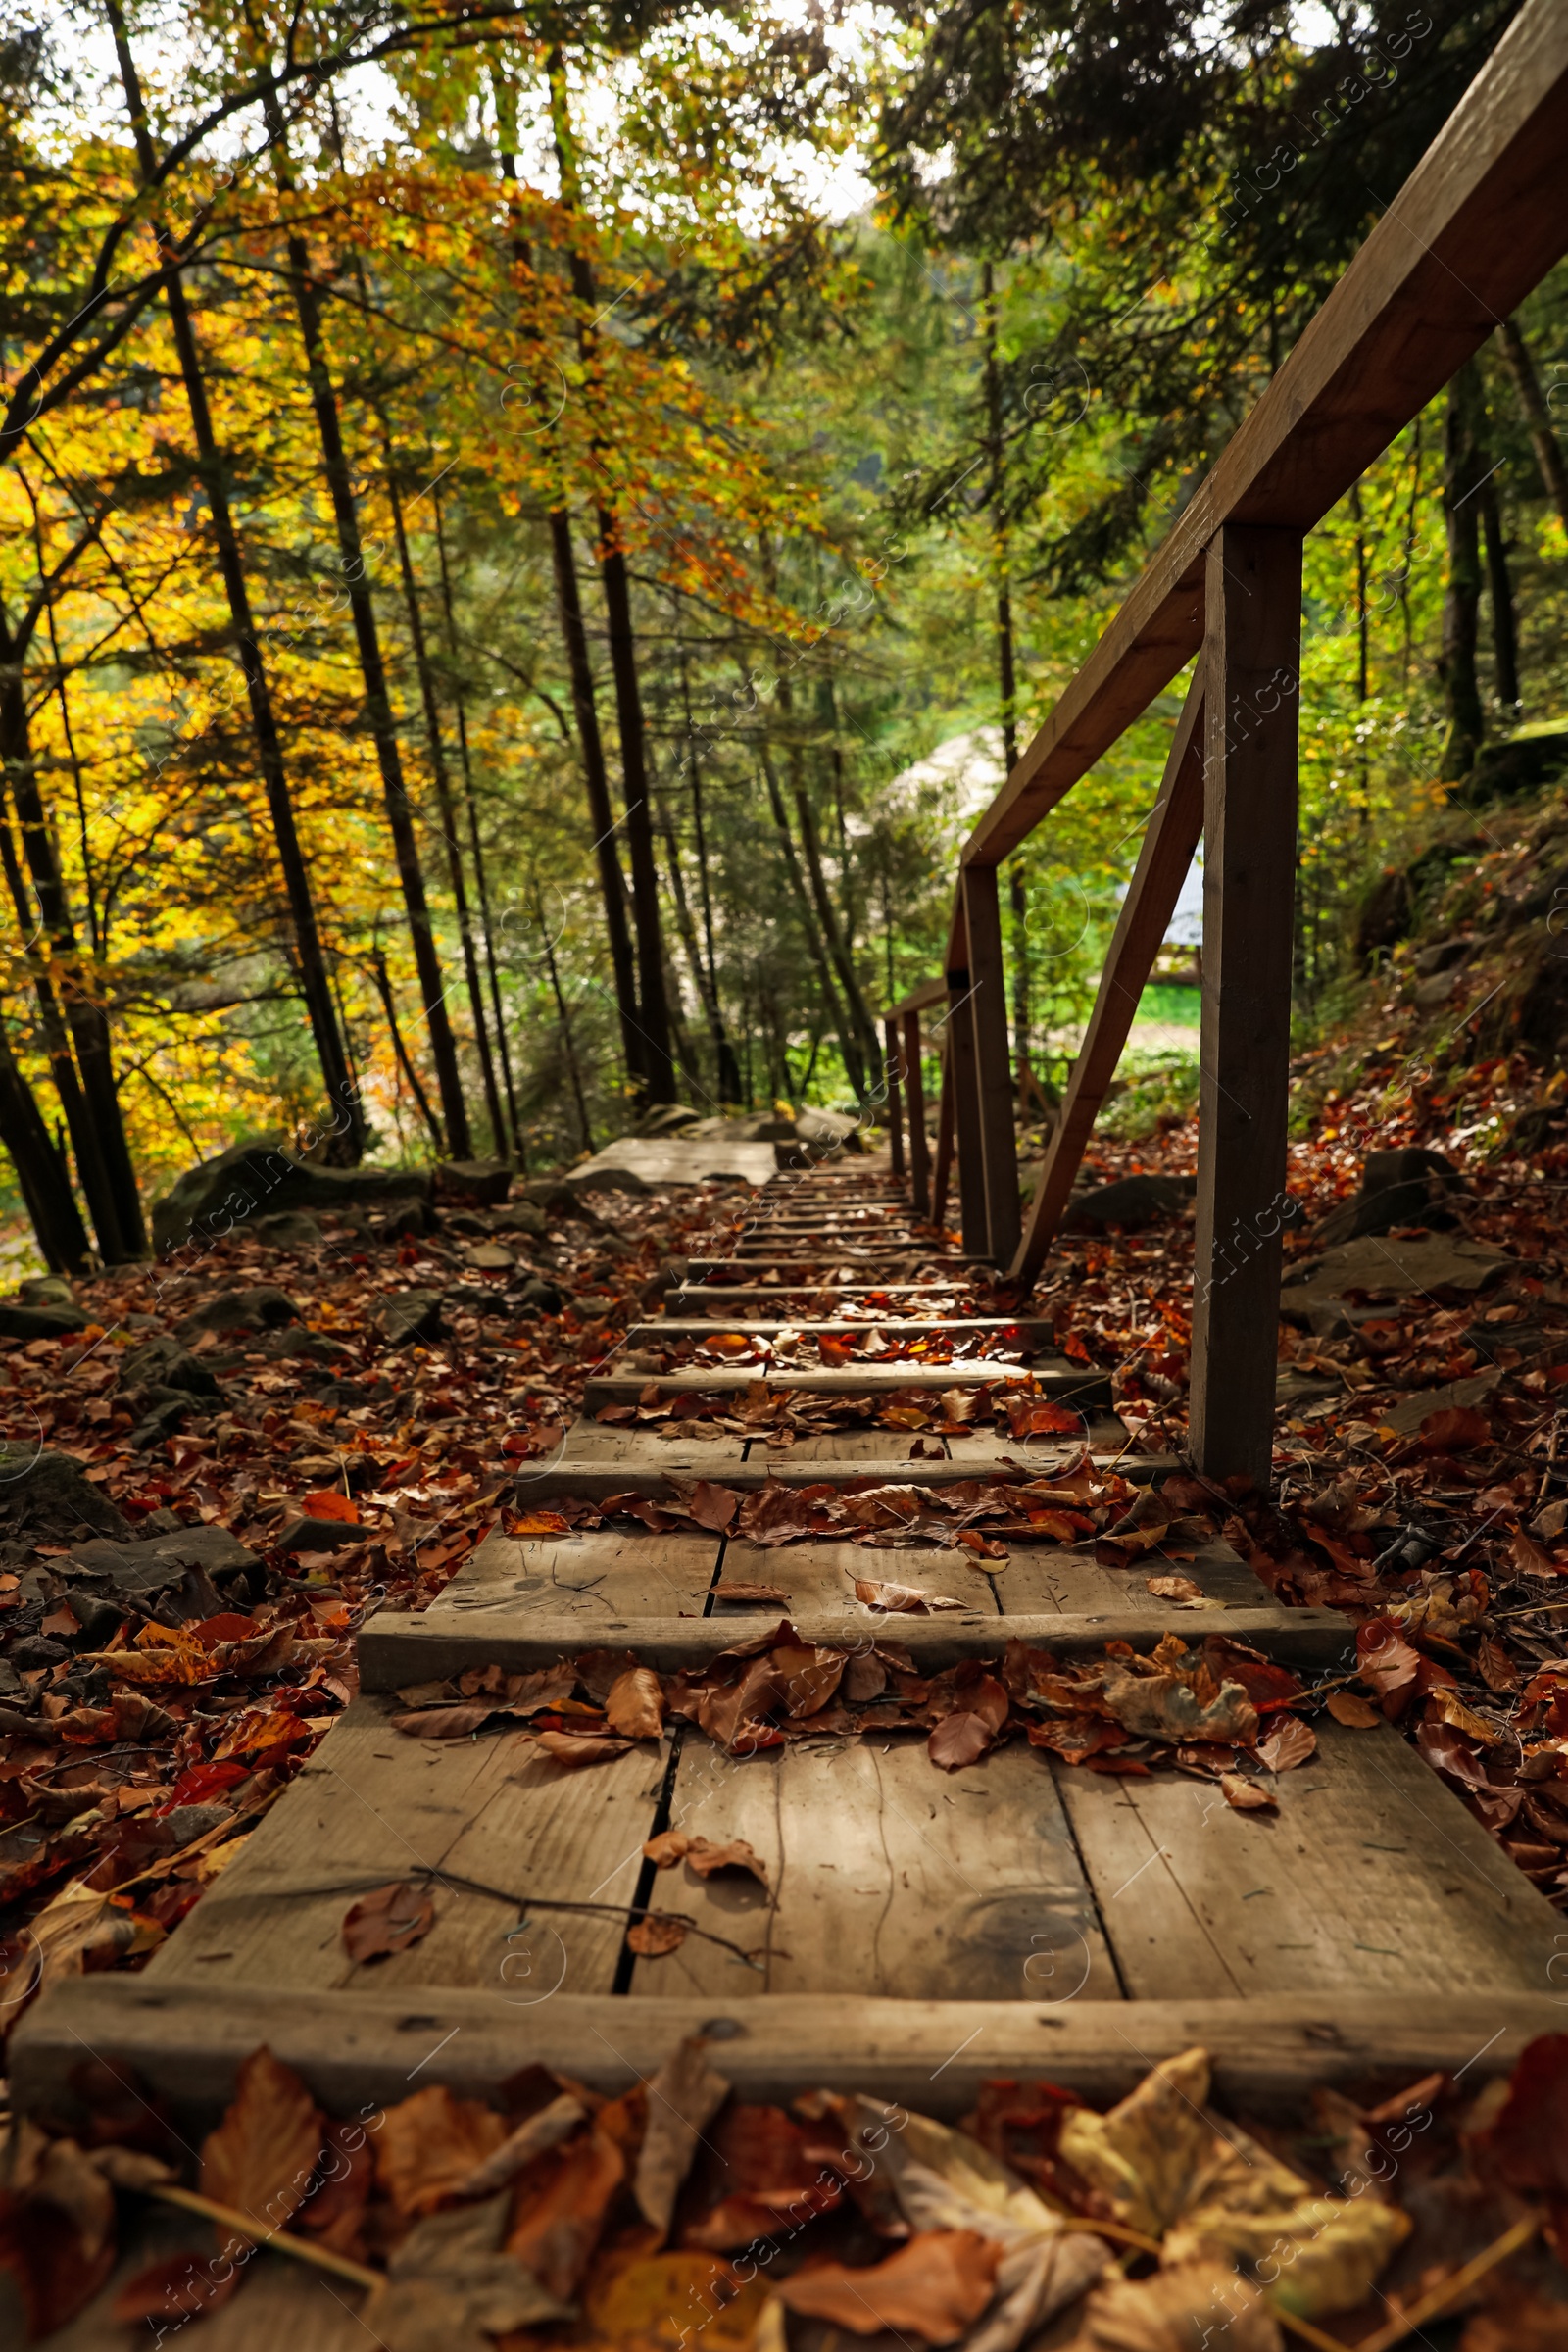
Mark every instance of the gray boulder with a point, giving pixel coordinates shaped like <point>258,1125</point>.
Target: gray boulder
<point>259,1177</point>
<point>163,1362</point>
<point>262,1308</point>
<point>44,1495</point>
<point>1409,1186</point>
<point>539,1298</point>
<point>483,1182</point>
<point>1131,1201</point>
<point>19,1322</point>
<point>183,1567</point>
<point>409,1315</point>
<point>293,1230</point>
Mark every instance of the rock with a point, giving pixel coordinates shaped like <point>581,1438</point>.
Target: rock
<point>474,1298</point>
<point>163,1363</point>
<point>259,1177</point>
<point>1390,1270</point>
<point>523,1216</point>
<point>181,1565</point>
<point>409,1315</point>
<point>1131,1201</point>
<point>615,1179</point>
<point>46,1290</point>
<point>669,1275</point>
<point>491,1257</point>
<point>263,1307</point>
<point>45,1495</point>
<point>411,1217</point>
<point>1406,1418</point>
<point>344,1394</point>
<point>484,1181</point>
<point>37,1650</point>
<point>548,1193</point>
<point>293,1230</point>
<point>319,1535</point>
<point>166,1410</point>
<point>829,1131</point>
<point>19,1322</point>
<point>467,1223</point>
<point>667,1118</point>
<point>1411,1187</point>
<point>539,1298</point>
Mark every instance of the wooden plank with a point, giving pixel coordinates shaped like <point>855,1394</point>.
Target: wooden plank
<point>372,1807</point>
<point>1036,1580</point>
<point>602,1444</point>
<point>593,1578</point>
<point>187,2043</point>
<point>1169,841</point>
<point>721,1297</point>
<point>1058,1378</point>
<point>821,1577</point>
<point>1479,223</point>
<point>868,1457</point>
<point>993,1071</point>
<point>891,1045</point>
<point>397,1649</point>
<point>1029,1330</point>
<point>1251,705</point>
<point>1372,1879</point>
<point>888,1877</point>
<point>914,1097</point>
<point>929,993</point>
<point>946,1137</point>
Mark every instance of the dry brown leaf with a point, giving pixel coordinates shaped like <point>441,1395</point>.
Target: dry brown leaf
<point>1163,1706</point>
<point>559,2208</point>
<point>1356,1713</point>
<point>388,1919</point>
<point>635,1706</point>
<point>1246,1796</point>
<point>428,2145</point>
<point>707,1859</point>
<point>177,2287</point>
<point>712,1507</point>
<point>442,1723</point>
<point>1196,2303</point>
<point>668,1848</point>
<point>911,1599</point>
<point>262,2155</point>
<point>656,1935</point>
<point>546,2130</point>
<point>683,2099</point>
<point>933,2287</point>
<point>1291,1742</point>
<point>1180,1589</point>
<point>580,1747</point>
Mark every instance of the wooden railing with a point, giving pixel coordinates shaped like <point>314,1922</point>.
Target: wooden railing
<point>1480,222</point>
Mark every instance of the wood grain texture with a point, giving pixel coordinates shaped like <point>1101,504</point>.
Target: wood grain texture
<point>886,1874</point>
<point>993,1063</point>
<point>893,1064</point>
<point>1252,704</point>
<point>1481,220</point>
<point>914,1098</point>
<point>374,1806</point>
<point>187,2043</point>
<point>1369,1879</point>
<point>1169,841</point>
<point>593,1580</point>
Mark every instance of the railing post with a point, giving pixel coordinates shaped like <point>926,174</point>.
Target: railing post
<point>961,1084</point>
<point>914,1098</point>
<point>1250,673</point>
<point>943,1168</point>
<point>890,1042</point>
<point>988,1000</point>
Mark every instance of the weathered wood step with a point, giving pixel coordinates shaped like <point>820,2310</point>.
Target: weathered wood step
<point>1057,1379</point>
<point>724,1298</point>
<point>638,1467</point>
<point>397,1650</point>
<point>359,2049</point>
<point>1030,1331</point>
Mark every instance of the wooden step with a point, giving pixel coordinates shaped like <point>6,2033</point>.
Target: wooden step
<point>359,2048</point>
<point>637,1468</point>
<point>1059,1382</point>
<point>1031,1331</point>
<point>724,1298</point>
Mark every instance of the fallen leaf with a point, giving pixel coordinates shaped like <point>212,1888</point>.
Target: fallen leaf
<point>1291,1742</point>
<point>1179,1588</point>
<point>177,2287</point>
<point>1527,2141</point>
<point>934,2287</point>
<point>428,2145</point>
<point>683,2099</point>
<point>580,1747</point>
<point>1166,1706</point>
<point>635,1706</point>
<point>707,1859</point>
<point>712,1507</point>
<point>1351,1709</point>
<point>633,2303</point>
<point>1455,1429</point>
<point>559,2207</point>
<point>442,1723</point>
<point>450,2286</point>
<point>910,1600</point>
<point>539,1523</point>
<point>1177,2310</point>
<point>1246,1796</point>
<point>546,2130</point>
<point>656,1935</point>
<point>331,1503</point>
<point>1387,1664</point>
<point>389,1919</point>
<point>1529,1557</point>
<point>261,2156</point>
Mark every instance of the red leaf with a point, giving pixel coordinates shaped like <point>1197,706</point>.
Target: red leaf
<point>179,2286</point>
<point>389,1919</point>
<point>933,2287</point>
<point>1455,1429</point>
<point>712,1507</point>
<point>328,1503</point>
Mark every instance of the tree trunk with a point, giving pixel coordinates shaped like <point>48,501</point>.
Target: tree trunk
<point>595,776</point>
<point>849,1044</point>
<point>1500,589</point>
<point>472,807</point>
<point>1461,478</point>
<point>1018,897</point>
<point>567,1044</point>
<point>688,935</point>
<point>1537,416</point>
<point>729,1077</point>
<point>868,1048</point>
<point>44,1184</point>
<point>341,1090</point>
<point>383,989</point>
<point>449,819</point>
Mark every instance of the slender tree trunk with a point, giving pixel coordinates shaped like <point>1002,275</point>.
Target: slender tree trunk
<point>1500,589</point>
<point>729,1077</point>
<point>377,697</point>
<point>1461,478</point>
<point>472,809</point>
<point>1537,416</point>
<point>596,776</point>
<point>658,1070</point>
<point>688,935</point>
<point>849,1042</point>
<point>86,1136</point>
<point>40,1171</point>
<point>567,1042</point>
<point>868,1047</point>
<point>383,989</point>
<point>335,1074</point>
<point>449,816</point>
